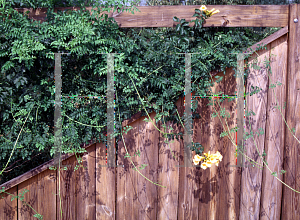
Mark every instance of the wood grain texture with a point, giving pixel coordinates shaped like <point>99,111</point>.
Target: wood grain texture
<point>30,197</point>
<point>204,191</point>
<point>229,177</point>
<point>252,176</point>
<point>271,188</point>
<point>9,208</point>
<point>162,16</point>
<point>47,194</point>
<point>216,144</point>
<point>127,198</point>
<point>211,141</point>
<point>146,192</point>
<point>291,199</point>
<point>67,191</point>
<point>168,173</point>
<point>86,186</point>
<point>188,200</point>
<point>105,186</point>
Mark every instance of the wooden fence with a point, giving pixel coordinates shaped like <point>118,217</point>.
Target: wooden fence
<point>221,192</point>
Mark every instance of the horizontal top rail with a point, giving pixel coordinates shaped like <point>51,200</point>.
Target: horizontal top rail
<point>162,16</point>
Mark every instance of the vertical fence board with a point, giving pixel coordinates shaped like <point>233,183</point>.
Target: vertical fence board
<point>67,190</point>
<point>220,178</point>
<point>134,177</point>
<point>229,197</point>
<point>210,139</point>
<point>216,144</point>
<point>290,204</point>
<point>168,173</point>
<point>105,186</point>
<point>127,199</point>
<point>121,186</point>
<point>86,186</point>
<point>9,208</point>
<point>30,197</point>
<point>47,194</point>
<point>252,176</point>
<point>148,158</point>
<point>188,204</point>
<point>271,187</point>
<point>197,172</point>
<point>204,182</point>
<point>228,177</point>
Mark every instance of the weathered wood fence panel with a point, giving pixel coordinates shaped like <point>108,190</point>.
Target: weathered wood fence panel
<point>86,186</point>
<point>290,202</point>
<point>168,170</point>
<point>105,186</point>
<point>47,193</point>
<point>222,192</point>
<point>271,187</point>
<point>67,188</point>
<point>252,176</point>
<point>9,208</point>
<point>228,177</point>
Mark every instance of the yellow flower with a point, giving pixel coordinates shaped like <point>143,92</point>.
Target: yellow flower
<point>210,13</point>
<point>203,166</point>
<point>197,159</point>
<point>215,12</point>
<point>207,154</point>
<point>203,8</point>
<point>208,163</point>
<point>219,155</point>
<point>217,163</point>
<point>208,159</point>
<point>214,160</point>
<point>211,10</point>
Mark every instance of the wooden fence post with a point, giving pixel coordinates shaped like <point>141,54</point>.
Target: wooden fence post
<point>290,201</point>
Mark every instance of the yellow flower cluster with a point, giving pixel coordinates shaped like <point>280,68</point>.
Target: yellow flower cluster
<point>208,159</point>
<point>208,13</point>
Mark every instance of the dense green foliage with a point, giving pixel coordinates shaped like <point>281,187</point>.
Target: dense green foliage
<point>149,58</point>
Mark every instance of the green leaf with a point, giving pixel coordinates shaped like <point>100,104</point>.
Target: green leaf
<point>294,130</point>
<point>175,19</point>
<point>182,31</point>
<point>186,39</point>
<point>223,134</point>
<point>274,174</point>
<point>283,171</point>
<point>185,24</point>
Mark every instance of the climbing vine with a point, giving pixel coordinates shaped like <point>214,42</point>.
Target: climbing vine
<point>149,76</point>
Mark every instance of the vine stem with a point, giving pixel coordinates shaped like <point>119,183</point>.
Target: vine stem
<point>255,142</point>
<point>16,142</point>
<point>128,153</point>
<point>17,197</point>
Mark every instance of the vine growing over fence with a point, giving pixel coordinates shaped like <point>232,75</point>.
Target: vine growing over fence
<point>27,74</point>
